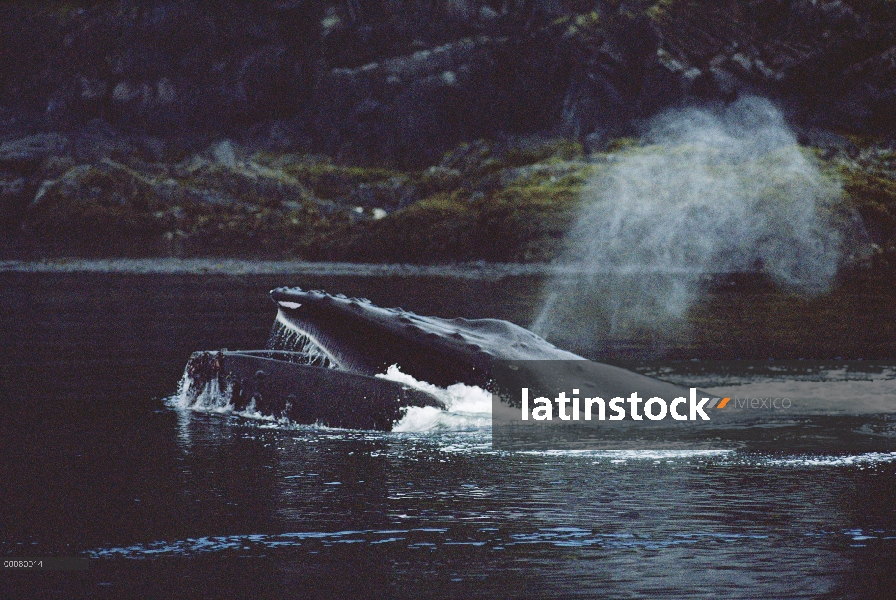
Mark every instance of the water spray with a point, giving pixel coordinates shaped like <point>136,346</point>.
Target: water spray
<point>709,192</point>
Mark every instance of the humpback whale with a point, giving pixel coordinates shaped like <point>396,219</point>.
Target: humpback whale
<point>325,352</point>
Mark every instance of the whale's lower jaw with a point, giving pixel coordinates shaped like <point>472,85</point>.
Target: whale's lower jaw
<point>277,384</point>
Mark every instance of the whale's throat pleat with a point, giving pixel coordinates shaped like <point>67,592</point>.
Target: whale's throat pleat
<point>286,335</point>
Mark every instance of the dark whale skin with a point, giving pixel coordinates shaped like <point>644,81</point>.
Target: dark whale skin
<point>361,340</point>
<point>268,383</point>
<point>366,338</point>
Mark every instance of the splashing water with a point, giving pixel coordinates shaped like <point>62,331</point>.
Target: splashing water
<point>467,407</point>
<point>710,193</point>
<point>210,397</point>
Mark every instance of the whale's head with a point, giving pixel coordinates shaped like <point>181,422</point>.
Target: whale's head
<point>355,335</point>
<point>333,331</point>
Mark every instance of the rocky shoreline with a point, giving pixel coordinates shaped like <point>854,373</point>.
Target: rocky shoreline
<point>506,201</point>
<point>454,131</point>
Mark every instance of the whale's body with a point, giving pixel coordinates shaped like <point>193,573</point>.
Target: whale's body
<point>322,360</point>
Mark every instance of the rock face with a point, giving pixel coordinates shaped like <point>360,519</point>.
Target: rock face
<point>400,82</point>
<point>432,131</point>
<point>407,108</point>
<point>27,153</point>
<point>100,193</point>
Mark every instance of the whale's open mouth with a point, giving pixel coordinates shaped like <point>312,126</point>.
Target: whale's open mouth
<point>313,370</point>
<point>305,347</point>
<point>326,354</point>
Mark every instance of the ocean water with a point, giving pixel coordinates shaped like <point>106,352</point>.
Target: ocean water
<point>100,459</point>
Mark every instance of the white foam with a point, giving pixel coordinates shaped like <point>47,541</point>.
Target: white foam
<point>212,398</point>
<point>467,407</point>
<point>620,456</point>
<point>869,458</point>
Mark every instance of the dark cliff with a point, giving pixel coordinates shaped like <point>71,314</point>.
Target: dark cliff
<point>397,130</point>
<point>401,82</point>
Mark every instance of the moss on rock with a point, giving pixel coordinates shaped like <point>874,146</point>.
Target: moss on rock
<point>872,190</point>
<point>506,200</point>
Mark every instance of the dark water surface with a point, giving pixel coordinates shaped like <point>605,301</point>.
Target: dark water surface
<point>170,503</point>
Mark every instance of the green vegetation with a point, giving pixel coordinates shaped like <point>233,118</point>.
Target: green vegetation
<point>871,189</point>
<point>434,230</point>
<point>522,222</point>
<point>659,9</point>
<point>580,25</point>
<point>330,181</point>
<point>508,200</point>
